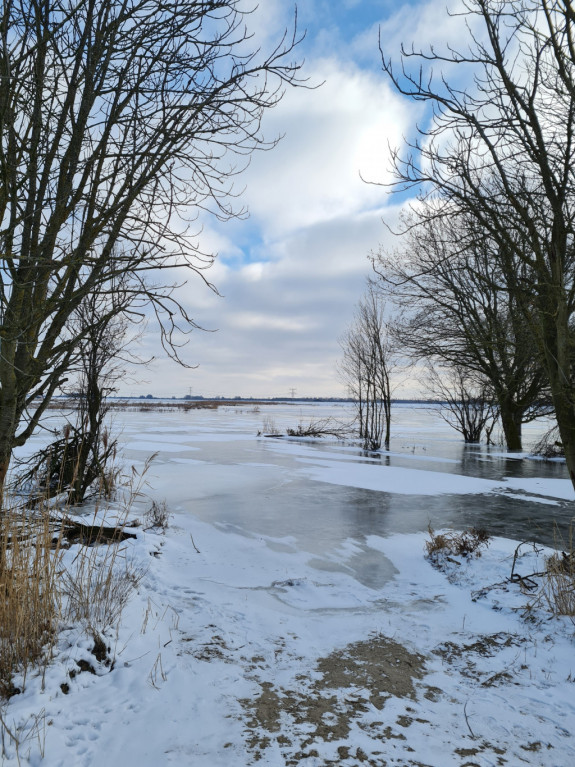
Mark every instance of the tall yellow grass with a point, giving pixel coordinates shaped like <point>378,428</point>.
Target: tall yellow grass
<point>29,596</point>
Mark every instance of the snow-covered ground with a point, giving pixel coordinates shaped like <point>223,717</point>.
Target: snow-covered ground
<point>288,617</point>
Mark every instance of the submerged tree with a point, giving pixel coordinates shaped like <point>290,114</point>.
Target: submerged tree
<point>368,359</point>
<point>459,311</point>
<point>502,150</point>
<point>119,122</point>
<point>467,402</point>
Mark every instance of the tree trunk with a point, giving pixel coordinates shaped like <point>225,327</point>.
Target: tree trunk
<point>511,420</point>
<point>4,464</point>
<point>557,348</point>
<point>565,416</point>
<point>9,415</point>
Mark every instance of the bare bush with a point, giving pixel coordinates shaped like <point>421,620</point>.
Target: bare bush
<point>324,427</point>
<point>550,445</point>
<point>459,544</point>
<point>157,516</point>
<point>62,466</point>
<point>269,427</point>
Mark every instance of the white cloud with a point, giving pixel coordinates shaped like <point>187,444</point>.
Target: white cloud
<point>332,135</point>
<point>279,321</point>
<point>435,23</point>
<point>291,275</point>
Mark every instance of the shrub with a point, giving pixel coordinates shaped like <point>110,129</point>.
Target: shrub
<point>319,428</point>
<point>459,544</point>
<point>98,585</point>
<point>157,515</point>
<point>269,427</point>
<point>550,445</point>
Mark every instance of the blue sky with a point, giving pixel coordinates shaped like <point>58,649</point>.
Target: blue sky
<point>291,274</point>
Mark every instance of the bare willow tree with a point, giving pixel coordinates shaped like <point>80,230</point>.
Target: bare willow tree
<point>503,150</point>
<point>120,120</point>
<point>368,360</point>
<point>467,402</point>
<point>458,312</point>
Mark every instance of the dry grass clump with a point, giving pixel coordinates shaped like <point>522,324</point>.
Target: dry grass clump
<point>40,584</point>
<point>37,590</point>
<point>158,516</point>
<point>30,558</point>
<point>99,581</point>
<point>269,428</point>
<point>558,587</point>
<point>458,544</point>
<point>98,586</point>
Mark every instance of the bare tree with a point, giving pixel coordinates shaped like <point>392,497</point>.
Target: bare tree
<point>458,311</point>
<point>368,359</point>
<point>103,322</point>
<point>503,150</point>
<point>467,403</point>
<point>83,455</point>
<point>119,121</point>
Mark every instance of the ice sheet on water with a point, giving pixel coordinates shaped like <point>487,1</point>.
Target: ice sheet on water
<point>555,488</point>
<point>157,446</point>
<point>394,479</point>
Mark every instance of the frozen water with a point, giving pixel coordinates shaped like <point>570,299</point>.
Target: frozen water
<point>324,492</point>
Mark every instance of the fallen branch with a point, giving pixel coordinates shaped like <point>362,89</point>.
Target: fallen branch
<point>525,580</point>
<point>78,532</point>
<point>467,720</point>
<point>327,427</point>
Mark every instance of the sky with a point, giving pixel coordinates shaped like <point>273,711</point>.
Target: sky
<point>290,275</point>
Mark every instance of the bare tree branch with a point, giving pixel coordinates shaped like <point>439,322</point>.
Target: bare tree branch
<point>119,121</point>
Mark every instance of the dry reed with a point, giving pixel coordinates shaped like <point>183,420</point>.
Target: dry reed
<point>98,586</point>
<point>29,596</point>
<point>558,586</point>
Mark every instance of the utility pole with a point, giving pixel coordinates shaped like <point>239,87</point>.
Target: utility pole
<point>292,392</point>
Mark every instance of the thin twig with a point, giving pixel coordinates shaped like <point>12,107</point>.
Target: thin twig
<point>467,720</point>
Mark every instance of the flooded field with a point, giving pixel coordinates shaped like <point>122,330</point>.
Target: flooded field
<point>322,492</point>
